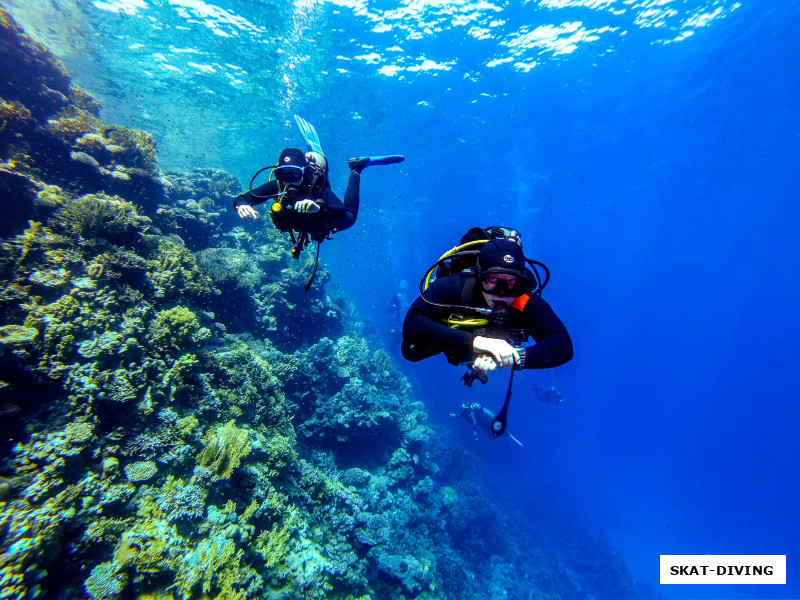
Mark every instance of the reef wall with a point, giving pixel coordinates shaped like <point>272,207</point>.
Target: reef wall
<point>180,420</point>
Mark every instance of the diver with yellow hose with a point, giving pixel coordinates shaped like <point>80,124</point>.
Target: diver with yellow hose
<point>302,202</point>
<point>482,315</point>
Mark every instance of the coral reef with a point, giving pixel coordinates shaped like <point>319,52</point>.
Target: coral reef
<point>51,134</point>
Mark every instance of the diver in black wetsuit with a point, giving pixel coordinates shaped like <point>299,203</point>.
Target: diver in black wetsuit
<point>303,200</point>
<point>480,418</point>
<point>499,284</point>
<point>551,395</point>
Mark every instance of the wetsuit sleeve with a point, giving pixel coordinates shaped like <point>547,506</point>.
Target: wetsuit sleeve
<point>553,344</point>
<point>264,192</point>
<point>424,333</point>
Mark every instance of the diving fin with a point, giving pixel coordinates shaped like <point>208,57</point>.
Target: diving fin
<point>309,134</point>
<point>360,163</point>
<point>389,159</point>
<point>368,161</point>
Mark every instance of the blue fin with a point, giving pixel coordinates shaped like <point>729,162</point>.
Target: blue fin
<point>309,134</point>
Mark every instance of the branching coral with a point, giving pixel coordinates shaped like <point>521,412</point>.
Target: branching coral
<point>225,447</point>
<point>31,243</point>
<point>73,122</point>
<point>174,271</point>
<point>181,502</point>
<point>98,215</point>
<point>230,268</point>
<point>273,544</point>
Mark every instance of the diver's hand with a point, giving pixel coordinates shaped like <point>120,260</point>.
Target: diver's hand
<point>247,212</point>
<point>484,362</point>
<point>306,206</point>
<point>503,353</point>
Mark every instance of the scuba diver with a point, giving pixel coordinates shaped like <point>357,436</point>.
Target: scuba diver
<point>551,395</point>
<point>303,203</point>
<point>482,316</point>
<point>480,418</point>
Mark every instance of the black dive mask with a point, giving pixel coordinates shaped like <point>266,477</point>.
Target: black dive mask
<point>503,289</point>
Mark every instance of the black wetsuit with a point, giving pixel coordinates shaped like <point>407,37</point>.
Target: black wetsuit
<point>334,215</point>
<point>425,333</point>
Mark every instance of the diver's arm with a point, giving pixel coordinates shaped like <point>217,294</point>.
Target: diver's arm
<point>553,344</point>
<point>423,326</point>
<point>262,193</point>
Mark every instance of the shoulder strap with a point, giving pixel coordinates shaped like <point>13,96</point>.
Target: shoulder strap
<point>467,290</point>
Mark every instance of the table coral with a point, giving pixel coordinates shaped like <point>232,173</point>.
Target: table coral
<point>141,471</point>
<point>105,582</point>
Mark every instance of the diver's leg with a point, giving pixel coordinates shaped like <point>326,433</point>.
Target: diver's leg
<point>352,199</point>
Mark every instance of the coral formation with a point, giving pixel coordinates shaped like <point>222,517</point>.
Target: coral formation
<point>141,471</point>
<point>225,447</point>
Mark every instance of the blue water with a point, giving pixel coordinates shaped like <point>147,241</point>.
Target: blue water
<point>648,152</point>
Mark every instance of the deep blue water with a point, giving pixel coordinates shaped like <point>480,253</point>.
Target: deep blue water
<point>657,177</point>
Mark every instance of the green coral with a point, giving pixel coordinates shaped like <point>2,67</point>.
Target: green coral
<point>281,454</point>
<point>138,147</point>
<point>105,582</point>
<point>213,562</point>
<point>31,244</point>
<point>52,196</point>
<point>13,114</point>
<point>99,215</point>
<point>273,544</point>
<point>73,122</point>
<point>173,328</point>
<point>17,335</point>
<point>62,324</point>
<point>141,471</point>
<point>225,447</point>
<point>174,270</point>
<point>176,379</point>
<point>230,267</point>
